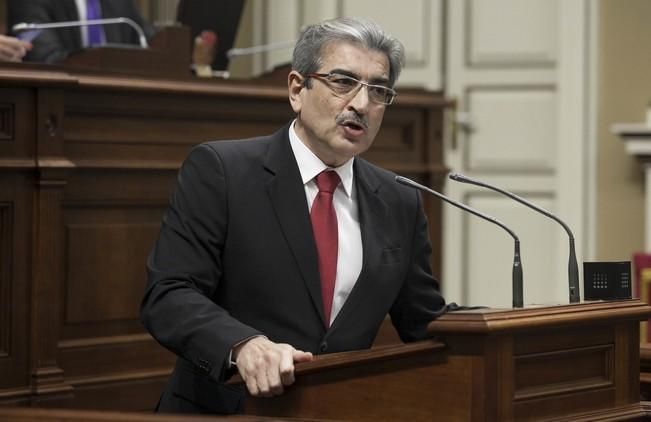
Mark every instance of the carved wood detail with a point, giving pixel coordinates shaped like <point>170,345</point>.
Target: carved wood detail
<point>6,122</point>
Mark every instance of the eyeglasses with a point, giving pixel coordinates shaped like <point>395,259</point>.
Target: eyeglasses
<point>347,86</point>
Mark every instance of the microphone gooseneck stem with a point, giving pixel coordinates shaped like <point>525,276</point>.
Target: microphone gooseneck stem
<point>19,27</point>
<point>573,270</point>
<point>236,52</point>
<point>518,294</point>
<point>517,264</point>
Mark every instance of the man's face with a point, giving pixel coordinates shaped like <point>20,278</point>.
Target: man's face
<point>337,127</point>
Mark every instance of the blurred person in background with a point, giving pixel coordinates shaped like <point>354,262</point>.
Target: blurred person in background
<point>54,45</point>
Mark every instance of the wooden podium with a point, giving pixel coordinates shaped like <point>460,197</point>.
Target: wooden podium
<point>573,362</point>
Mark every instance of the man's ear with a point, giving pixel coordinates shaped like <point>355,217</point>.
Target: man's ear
<point>295,85</point>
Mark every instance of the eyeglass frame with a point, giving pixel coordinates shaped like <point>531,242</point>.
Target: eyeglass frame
<point>324,77</point>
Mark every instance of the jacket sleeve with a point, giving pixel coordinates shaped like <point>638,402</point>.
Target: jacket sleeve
<point>419,301</point>
<point>184,269</point>
<point>48,46</point>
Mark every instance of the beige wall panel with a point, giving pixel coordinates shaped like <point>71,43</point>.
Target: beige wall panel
<point>491,250</point>
<point>526,33</point>
<point>418,26</point>
<point>515,129</point>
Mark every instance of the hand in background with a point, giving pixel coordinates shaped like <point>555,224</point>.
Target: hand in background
<point>267,367</point>
<point>205,46</point>
<point>12,49</point>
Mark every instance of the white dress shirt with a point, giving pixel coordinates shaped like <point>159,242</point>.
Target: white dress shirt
<point>81,11</point>
<point>349,258</point>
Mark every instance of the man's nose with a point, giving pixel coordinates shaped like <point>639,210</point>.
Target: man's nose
<point>360,101</point>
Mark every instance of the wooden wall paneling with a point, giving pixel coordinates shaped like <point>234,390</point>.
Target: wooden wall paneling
<point>52,171</point>
<point>111,219</point>
<point>15,231</point>
<point>104,129</point>
<point>645,371</point>
<point>16,194</point>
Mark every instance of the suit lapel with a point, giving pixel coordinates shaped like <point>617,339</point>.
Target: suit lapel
<point>373,215</point>
<point>70,10</point>
<point>287,196</point>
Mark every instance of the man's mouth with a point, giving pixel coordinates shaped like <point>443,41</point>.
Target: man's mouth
<point>354,125</point>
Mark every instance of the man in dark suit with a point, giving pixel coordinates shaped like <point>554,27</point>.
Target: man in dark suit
<point>54,45</point>
<point>280,247</point>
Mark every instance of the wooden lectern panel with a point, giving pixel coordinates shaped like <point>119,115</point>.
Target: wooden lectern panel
<point>564,363</point>
<point>381,384</point>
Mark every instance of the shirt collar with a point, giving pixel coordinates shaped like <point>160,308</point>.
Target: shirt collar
<point>310,165</point>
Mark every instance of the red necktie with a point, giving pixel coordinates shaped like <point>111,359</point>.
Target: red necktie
<point>324,227</point>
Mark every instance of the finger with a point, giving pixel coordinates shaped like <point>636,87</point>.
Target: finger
<point>275,384</point>
<point>14,43</point>
<point>273,370</point>
<point>5,53</point>
<point>301,356</point>
<point>252,386</point>
<point>12,53</point>
<point>263,383</point>
<point>287,368</point>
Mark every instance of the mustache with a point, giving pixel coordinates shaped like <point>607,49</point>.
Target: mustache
<point>351,117</point>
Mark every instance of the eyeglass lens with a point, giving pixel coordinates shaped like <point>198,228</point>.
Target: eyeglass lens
<point>344,85</point>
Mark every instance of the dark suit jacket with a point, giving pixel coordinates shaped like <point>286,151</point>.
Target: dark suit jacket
<point>55,45</point>
<point>236,257</point>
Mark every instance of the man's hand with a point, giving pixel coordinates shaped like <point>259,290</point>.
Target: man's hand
<point>12,49</point>
<point>267,367</point>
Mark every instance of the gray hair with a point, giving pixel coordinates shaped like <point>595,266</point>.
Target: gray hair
<point>307,52</point>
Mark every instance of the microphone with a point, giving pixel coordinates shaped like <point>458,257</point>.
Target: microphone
<point>573,269</point>
<point>517,264</point>
<point>263,48</point>
<point>25,26</point>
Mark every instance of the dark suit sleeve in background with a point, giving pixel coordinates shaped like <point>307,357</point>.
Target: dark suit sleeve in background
<point>54,45</point>
<point>50,46</point>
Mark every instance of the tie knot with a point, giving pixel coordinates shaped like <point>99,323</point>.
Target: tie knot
<point>327,181</point>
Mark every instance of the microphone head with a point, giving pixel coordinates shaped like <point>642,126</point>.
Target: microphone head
<point>404,181</point>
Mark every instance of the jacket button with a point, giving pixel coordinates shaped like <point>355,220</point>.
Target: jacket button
<point>323,347</point>
<point>204,365</point>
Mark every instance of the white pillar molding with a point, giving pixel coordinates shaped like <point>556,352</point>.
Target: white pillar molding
<point>637,141</point>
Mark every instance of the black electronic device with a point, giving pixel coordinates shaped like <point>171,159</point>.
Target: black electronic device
<point>607,280</point>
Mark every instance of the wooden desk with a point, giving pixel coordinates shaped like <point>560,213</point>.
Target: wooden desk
<point>87,162</point>
<point>576,362</point>
<point>69,415</point>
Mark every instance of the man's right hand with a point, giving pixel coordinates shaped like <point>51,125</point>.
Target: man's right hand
<point>267,367</point>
